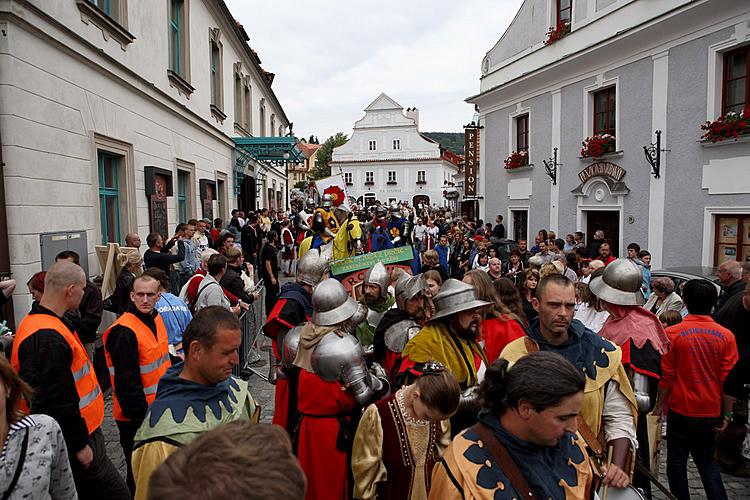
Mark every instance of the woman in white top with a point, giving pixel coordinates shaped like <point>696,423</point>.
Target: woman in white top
<point>590,311</point>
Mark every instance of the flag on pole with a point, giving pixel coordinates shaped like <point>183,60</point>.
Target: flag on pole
<point>336,187</point>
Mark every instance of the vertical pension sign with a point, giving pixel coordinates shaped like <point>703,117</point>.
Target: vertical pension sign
<point>471,152</point>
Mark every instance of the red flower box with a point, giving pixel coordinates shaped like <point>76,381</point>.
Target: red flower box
<point>517,159</point>
<point>556,33</point>
<point>597,146</point>
<point>729,126</point>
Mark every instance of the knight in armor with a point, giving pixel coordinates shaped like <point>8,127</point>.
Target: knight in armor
<point>379,239</point>
<point>400,324</point>
<point>399,228</point>
<point>451,337</point>
<point>324,223</point>
<point>640,335</point>
<point>293,308</point>
<point>378,300</point>
<point>334,385</point>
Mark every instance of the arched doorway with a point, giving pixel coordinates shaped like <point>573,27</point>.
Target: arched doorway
<point>421,198</point>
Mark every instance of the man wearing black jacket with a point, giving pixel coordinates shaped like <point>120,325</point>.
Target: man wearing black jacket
<point>158,254</point>
<point>44,357</point>
<point>134,373</point>
<point>87,317</point>
<point>251,239</point>
<point>232,279</point>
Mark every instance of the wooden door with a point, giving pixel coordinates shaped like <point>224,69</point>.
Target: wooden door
<point>607,221</point>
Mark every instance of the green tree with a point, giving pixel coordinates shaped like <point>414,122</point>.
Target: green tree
<point>325,153</point>
<point>301,185</point>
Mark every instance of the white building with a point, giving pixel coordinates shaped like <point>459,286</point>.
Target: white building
<point>122,116</point>
<point>387,159</point>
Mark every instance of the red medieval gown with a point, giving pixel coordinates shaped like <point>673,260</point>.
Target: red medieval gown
<point>499,332</point>
<point>321,406</point>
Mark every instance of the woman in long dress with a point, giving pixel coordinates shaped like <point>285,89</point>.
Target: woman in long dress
<point>400,438</point>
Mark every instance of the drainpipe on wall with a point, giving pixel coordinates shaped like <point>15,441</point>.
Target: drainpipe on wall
<point>4,245</point>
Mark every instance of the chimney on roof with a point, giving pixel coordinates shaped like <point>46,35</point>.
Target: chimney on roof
<point>413,113</point>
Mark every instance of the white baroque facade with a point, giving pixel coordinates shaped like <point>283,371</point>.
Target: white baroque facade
<point>93,93</point>
<point>387,159</point>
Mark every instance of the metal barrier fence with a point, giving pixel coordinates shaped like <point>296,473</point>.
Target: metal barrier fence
<point>251,322</point>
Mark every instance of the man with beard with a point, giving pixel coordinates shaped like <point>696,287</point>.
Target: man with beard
<point>450,337</point>
<point>293,308</point>
<point>377,299</point>
<point>608,401</point>
<point>400,324</point>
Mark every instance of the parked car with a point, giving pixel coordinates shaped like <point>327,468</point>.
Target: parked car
<point>683,274</point>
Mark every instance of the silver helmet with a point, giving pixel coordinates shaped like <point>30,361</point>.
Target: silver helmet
<point>327,202</point>
<point>620,283</point>
<point>312,267</point>
<point>310,205</point>
<point>394,208</point>
<point>378,275</point>
<point>407,288</point>
<point>455,296</point>
<point>331,303</point>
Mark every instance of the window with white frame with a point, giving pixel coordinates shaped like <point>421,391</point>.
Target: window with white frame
<point>348,177</point>
<point>369,177</point>
<point>396,144</point>
<point>373,145</point>
<point>391,177</point>
<point>736,80</point>
<point>421,176</point>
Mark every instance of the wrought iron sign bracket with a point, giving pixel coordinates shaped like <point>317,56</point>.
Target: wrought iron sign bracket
<point>550,167</point>
<point>653,155</point>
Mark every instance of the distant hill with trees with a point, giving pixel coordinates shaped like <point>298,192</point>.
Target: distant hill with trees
<point>453,141</point>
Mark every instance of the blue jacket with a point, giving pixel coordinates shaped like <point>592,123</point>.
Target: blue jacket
<point>175,314</point>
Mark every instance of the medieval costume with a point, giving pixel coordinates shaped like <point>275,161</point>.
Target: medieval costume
<point>387,347</point>
<point>328,402</point>
<point>499,332</point>
<point>601,362</point>
<point>641,336</point>
<point>394,454</point>
<point>469,470</point>
<point>181,412</point>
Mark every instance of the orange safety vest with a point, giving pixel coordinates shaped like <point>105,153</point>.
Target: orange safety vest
<point>90,400</point>
<point>153,357</point>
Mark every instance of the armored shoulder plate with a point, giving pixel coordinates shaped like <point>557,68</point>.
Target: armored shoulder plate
<point>289,345</point>
<point>398,334</point>
<point>374,317</point>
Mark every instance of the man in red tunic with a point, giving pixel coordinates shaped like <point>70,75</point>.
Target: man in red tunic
<point>293,308</point>
<point>334,386</point>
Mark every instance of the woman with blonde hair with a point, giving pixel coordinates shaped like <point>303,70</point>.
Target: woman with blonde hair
<point>431,262</point>
<point>500,326</point>
<point>131,265</point>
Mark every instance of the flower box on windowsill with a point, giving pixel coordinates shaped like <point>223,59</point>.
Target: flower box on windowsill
<point>110,28</point>
<point>178,82</point>
<point>369,183</point>
<point>742,139</point>
<point>391,183</point>
<point>525,168</point>
<point>727,127</point>
<point>606,156</point>
<point>349,184</point>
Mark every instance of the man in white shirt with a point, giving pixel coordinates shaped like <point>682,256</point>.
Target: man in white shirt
<point>419,233</point>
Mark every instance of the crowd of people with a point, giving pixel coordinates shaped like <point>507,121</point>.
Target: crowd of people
<point>482,368</point>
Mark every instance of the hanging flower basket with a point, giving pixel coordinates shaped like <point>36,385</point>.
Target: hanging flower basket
<point>729,126</point>
<point>597,146</point>
<point>517,159</point>
<point>556,33</point>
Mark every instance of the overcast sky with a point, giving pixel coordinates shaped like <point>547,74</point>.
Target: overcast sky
<point>333,57</point>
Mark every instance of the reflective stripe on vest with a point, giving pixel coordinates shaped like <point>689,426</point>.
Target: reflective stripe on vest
<point>90,400</point>
<point>153,357</point>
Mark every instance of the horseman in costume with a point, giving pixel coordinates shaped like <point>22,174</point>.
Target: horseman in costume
<point>334,385</point>
<point>294,308</point>
<point>378,300</point>
<point>608,415</point>
<point>324,223</point>
<point>641,337</point>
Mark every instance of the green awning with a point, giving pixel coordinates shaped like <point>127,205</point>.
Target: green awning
<point>268,152</point>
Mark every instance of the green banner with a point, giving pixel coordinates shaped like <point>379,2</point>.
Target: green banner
<point>367,260</point>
